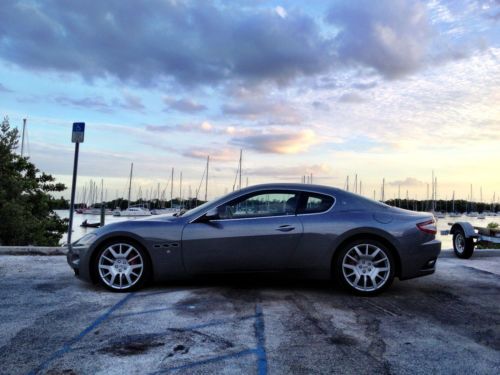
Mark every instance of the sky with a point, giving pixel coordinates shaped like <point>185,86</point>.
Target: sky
<point>388,90</point>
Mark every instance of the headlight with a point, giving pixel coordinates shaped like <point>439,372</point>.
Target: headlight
<point>85,240</point>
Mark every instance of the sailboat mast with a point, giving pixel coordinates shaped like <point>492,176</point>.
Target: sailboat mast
<point>22,140</point>
<point>130,183</point>
<point>180,191</point>
<point>172,189</point>
<point>206,180</point>
<point>239,183</point>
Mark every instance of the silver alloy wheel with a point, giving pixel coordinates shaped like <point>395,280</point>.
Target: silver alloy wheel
<point>459,243</point>
<point>120,266</point>
<point>366,267</point>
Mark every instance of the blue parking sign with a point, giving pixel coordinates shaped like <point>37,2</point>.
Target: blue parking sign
<point>78,132</point>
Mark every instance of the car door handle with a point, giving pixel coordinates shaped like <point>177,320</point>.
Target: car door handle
<point>285,228</point>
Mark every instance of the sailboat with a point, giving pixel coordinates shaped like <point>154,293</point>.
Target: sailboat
<point>471,213</point>
<point>453,213</point>
<point>136,210</point>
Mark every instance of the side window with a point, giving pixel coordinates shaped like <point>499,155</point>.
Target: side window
<point>315,203</point>
<point>260,205</point>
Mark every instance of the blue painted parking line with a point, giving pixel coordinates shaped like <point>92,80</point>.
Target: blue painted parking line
<point>261,341</point>
<point>191,307</point>
<point>205,361</point>
<point>67,346</point>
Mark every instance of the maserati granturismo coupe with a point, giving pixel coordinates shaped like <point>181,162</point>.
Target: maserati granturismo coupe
<point>309,230</point>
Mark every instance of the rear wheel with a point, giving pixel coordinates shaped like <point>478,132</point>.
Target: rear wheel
<point>462,246</point>
<point>365,267</point>
<point>122,266</point>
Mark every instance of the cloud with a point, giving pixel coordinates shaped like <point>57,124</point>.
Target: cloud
<point>183,105</point>
<point>94,103</point>
<point>269,110</point>
<point>320,105</point>
<point>392,37</point>
<point>151,42</point>
<point>129,102</point>
<point>4,89</point>
<point>280,11</point>
<point>351,97</point>
<point>295,171</point>
<point>202,127</point>
<point>364,85</point>
<point>408,181</point>
<point>216,154</point>
<point>278,142</point>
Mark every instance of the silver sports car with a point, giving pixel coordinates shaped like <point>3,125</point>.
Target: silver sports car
<point>314,231</point>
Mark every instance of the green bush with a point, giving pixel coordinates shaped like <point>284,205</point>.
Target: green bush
<point>26,216</point>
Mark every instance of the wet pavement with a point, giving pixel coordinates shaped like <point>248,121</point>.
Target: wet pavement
<point>53,323</point>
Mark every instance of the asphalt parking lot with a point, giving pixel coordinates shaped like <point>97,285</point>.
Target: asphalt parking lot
<point>50,322</point>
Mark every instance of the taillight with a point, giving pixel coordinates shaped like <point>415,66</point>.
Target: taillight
<point>428,226</point>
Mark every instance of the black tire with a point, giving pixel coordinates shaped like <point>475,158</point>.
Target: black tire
<point>342,261</point>
<point>137,257</point>
<point>462,247</point>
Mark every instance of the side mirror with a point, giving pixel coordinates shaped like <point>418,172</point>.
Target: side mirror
<point>211,214</point>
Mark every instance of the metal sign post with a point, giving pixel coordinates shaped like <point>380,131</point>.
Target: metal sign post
<point>77,137</point>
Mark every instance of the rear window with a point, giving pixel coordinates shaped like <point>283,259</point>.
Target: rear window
<point>313,203</point>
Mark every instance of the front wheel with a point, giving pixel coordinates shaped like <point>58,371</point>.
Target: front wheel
<point>462,246</point>
<point>122,266</point>
<point>365,267</point>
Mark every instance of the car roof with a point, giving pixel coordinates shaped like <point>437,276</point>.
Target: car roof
<point>293,186</point>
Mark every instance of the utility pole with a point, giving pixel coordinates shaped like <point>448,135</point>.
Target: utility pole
<point>77,137</point>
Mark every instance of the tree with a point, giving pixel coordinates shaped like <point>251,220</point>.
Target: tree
<point>26,217</point>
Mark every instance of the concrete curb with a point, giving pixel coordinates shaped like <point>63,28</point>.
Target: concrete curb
<point>32,250</point>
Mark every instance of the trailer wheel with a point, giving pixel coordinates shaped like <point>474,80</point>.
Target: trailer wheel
<point>462,246</point>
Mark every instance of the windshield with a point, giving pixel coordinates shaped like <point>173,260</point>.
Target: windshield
<point>196,210</point>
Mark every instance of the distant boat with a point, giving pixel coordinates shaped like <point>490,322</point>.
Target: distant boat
<point>133,211</point>
<point>136,210</point>
<point>440,215</point>
<point>86,224</point>
<point>94,211</point>
<point>164,211</point>
<point>453,213</point>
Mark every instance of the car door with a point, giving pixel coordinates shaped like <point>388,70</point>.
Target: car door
<point>257,232</point>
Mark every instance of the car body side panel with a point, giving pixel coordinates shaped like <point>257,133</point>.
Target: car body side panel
<point>324,233</point>
<point>254,244</point>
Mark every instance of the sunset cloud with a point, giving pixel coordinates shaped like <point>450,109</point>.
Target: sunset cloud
<point>278,142</point>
